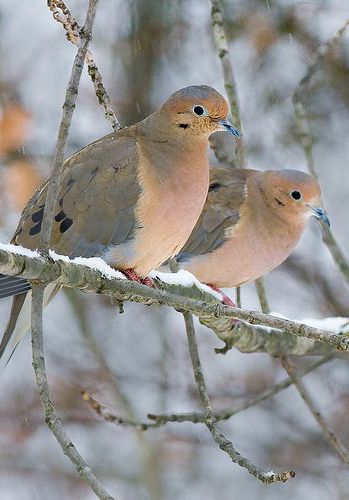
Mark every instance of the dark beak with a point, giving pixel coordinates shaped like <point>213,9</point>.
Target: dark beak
<point>320,214</point>
<point>227,126</point>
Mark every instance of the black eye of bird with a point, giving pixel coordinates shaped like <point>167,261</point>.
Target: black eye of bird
<point>296,195</point>
<point>199,110</point>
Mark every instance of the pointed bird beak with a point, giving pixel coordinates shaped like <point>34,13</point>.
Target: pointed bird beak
<point>227,126</point>
<point>320,214</point>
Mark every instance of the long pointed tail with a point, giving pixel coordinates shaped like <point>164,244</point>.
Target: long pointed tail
<point>19,322</point>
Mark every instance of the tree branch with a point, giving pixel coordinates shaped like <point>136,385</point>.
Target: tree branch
<point>331,437</point>
<point>225,414</point>
<point>52,420</point>
<point>62,14</point>
<point>210,420</point>
<point>305,137</point>
<point>68,110</point>
<point>221,44</point>
<point>73,275</point>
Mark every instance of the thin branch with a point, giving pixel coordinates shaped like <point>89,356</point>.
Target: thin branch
<point>226,413</point>
<point>68,110</point>
<point>68,273</point>
<point>331,437</point>
<point>305,137</point>
<point>52,420</point>
<point>290,369</point>
<point>108,416</point>
<point>221,44</point>
<point>62,14</point>
<point>210,420</point>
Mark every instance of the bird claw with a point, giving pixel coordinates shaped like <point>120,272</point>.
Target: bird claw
<point>225,299</point>
<point>133,276</point>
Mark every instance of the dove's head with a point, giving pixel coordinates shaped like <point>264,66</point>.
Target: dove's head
<point>294,195</point>
<point>197,111</point>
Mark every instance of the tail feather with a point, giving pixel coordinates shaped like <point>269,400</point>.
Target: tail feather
<point>12,285</point>
<point>19,322</point>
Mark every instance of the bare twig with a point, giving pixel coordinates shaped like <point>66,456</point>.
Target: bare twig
<point>51,418</point>
<point>305,137</point>
<point>68,110</point>
<point>331,437</point>
<point>290,369</point>
<point>221,43</point>
<point>63,15</point>
<point>210,420</point>
<point>226,413</point>
<point>108,416</point>
<point>93,281</point>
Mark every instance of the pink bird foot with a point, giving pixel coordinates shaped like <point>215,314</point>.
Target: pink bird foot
<point>133,276</point>
<point>225,299</point>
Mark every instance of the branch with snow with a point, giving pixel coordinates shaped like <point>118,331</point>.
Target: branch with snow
<point>95,276</point>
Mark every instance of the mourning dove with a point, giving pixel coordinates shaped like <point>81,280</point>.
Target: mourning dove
<point>250,224</point>
<point>132,197</point>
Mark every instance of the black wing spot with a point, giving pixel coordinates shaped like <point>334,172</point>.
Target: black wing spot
<point>280,202</point>
<point>35,229</point>
<point>184,125</point>
<point>65,225</point>
<point>116,169</point>
<point>37,216</point>
<point>214,186</point>
<point>60,216</point>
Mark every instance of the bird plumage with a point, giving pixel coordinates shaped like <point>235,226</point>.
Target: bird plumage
<point>133,196</point>
<point>249,225</point>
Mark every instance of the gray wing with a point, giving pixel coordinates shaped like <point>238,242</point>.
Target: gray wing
<point>96,204</point>
<point>221,211</point>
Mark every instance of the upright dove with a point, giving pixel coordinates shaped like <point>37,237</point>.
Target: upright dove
<point>132,197</point>
<point>251,222</point>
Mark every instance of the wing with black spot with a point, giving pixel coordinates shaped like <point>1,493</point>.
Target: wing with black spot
<point>96,203</point>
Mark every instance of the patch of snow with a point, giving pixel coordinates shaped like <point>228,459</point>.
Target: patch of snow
<point>17,249</point>
<point>271,473</point>
<point>95,263</point>
<point>185,279</point>
<point>334,324</point>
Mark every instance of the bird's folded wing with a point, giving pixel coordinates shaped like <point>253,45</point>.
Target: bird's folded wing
<point>96,203</point>
<point>226,195</point>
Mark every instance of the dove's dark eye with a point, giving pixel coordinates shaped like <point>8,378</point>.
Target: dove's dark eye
<point>200,110</point>
<point>296,195</point>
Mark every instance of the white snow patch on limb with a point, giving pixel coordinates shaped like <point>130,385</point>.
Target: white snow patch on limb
<point>185,279</point>
<point>17,249</point>
<point>336,324</point>
<point>271,473</point>
<point>95,263</point>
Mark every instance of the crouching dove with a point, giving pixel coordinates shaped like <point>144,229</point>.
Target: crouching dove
<point>132,197</point>
<point>250,224</point>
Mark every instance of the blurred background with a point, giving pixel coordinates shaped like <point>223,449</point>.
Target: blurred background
<point>146,49</point>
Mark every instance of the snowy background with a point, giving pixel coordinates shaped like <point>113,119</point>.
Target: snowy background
<point>145,50</point>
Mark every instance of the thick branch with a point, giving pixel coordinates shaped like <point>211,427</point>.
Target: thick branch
<point>51,418</point>
<point>68,110</point>
<point>68,273</point>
